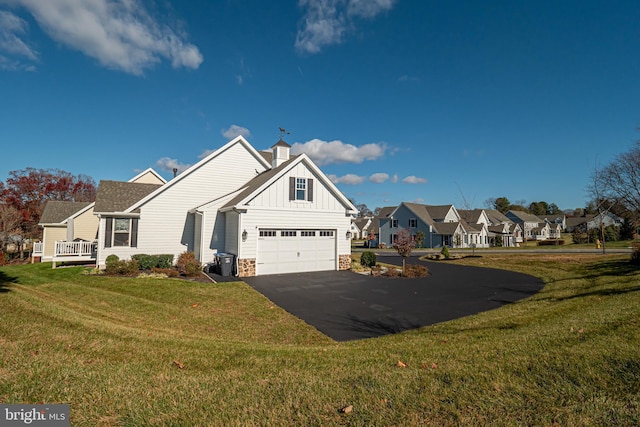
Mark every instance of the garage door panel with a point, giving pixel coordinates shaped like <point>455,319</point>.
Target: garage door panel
<point>291,251</point>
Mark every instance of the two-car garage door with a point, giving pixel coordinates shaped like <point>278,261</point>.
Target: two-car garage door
<point>295,250</point>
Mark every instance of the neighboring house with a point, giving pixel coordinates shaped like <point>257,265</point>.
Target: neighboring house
<point>379,220</point>
<point>533,228</point>
<point>360,227</point>
<point>478,225</point>
<point>588,222</point>
<point>67,224</point>
<point>555,230</point>
<point>560,219</point>
<point>441,225</point>
<point>606,219</point>
<point>508,231</point>
<point>274,212</point>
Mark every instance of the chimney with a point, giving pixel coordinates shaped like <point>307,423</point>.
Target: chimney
<point>175,172</point>
<point>280,153</point>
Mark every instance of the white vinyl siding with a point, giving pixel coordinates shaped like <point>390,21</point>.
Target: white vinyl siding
<point>165,224</point>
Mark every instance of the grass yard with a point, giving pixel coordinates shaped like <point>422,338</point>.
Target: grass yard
<point>141,352</point>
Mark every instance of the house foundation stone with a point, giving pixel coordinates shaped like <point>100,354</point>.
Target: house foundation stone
<point>344,262</point>
<point>246,267</point>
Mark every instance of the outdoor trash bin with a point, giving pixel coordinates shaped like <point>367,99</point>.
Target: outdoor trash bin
<point>225,264</point>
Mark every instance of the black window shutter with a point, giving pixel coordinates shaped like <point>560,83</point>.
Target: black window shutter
<point>107,232</point>
<point>134,232</point>
<point>292,188</point>
<point>310,190</point>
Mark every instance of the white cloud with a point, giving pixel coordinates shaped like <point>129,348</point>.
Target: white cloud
<point>168,164</point>
<point>326,22</point>
<point>368,8</point>
<point>350,179</point>
<point>324,153</point>
<point>395,178</point>
<point>120,34</point>
<point>379,178</point>
<point>14,50</point>
<point>414,180</point>
<point>235,130</point>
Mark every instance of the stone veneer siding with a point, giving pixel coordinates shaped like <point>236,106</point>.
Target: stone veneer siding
<point>246,267</point>
<point>344,262</point>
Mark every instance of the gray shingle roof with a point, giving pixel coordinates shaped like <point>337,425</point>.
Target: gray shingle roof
<point>117,196</point>
<point>524,217</point>
<point>56,211</point>
<point>446,228</point>
<point>496,217</point>
<point>438,212</point>
<point>471,216</point>
<point>421,211</point>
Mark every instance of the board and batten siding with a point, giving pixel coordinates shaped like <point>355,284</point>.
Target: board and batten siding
<point>166,226</point>
<point>277,195</point>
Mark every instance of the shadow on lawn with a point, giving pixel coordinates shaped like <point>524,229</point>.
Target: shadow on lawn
<point>620,268</point>
<point>5,280</point>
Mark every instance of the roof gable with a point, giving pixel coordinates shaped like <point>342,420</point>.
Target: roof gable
<point>184,175</point>
<point>264,180</point>
<point>57,211</point>
<point>148,176</point>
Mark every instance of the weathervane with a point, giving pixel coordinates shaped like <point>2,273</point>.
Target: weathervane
<point>283,132</point>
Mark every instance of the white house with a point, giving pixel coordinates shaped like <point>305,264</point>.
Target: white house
<point>70,229</point>
<point>275,213</point>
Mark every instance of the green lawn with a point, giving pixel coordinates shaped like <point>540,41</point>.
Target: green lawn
<point>171,352</point>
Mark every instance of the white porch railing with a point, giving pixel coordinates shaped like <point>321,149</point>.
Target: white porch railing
<point>38,249</point>
<point>78,249</point>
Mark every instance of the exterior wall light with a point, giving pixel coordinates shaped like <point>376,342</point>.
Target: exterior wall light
<point>244,235</point>
<point>348,235</point>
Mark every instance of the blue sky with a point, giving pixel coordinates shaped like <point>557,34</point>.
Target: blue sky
<point>397,100</point>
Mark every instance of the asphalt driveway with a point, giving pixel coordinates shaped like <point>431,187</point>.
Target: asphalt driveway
<point>347,306</point>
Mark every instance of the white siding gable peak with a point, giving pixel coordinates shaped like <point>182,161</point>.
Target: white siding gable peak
<point>237,140</point>
<point>302,158</point>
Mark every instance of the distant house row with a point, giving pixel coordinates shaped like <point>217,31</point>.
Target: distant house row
<point>444,225</point>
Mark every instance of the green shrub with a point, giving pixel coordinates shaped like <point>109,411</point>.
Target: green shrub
<point>112,258</point>
<point>188,265</point>
<point>445,252</point>
<point>165,261</point>
<point>368,259</point>
<point>148,262</point>
<point>122,267</point>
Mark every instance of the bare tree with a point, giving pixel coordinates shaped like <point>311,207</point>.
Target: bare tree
<point>620,180</point>
<point>10,221</point>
